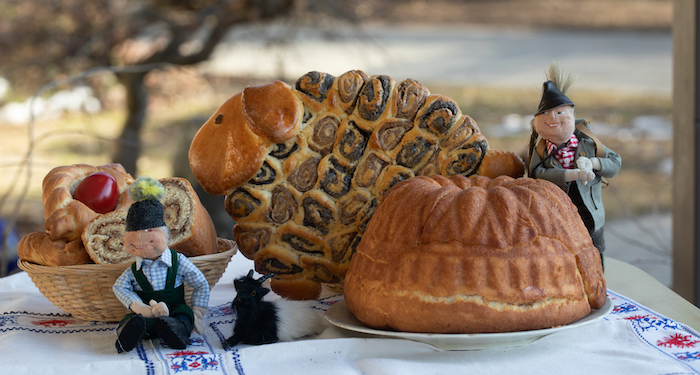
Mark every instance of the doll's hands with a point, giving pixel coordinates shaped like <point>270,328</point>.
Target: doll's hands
<point>159,308</point>
<point>583,163</point>
<point>578,174</point>
<point>586,167</point>
<point>141,308</point>
<point>585,176</point>
<point>198,314</point>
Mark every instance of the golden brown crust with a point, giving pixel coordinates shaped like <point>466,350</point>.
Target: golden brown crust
<point>498,163</point>
<point>272,111</point>
<point>315,153</point>
<point>346,88</point>
<point>296,289</point>
<point>192,230</point>
<point>471,255</point>
<point>65,217</point>
<point>225,152</point>
<point>39,248</point>
<point>314,89</point>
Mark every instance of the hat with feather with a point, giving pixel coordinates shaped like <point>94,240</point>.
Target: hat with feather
<point>146,212</point>
<point>554,90</point>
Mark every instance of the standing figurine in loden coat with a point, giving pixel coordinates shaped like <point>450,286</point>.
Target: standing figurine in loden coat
<point>564,151</point>
<point>152,287</point>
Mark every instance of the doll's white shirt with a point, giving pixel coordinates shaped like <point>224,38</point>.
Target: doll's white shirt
<point>156,271</point>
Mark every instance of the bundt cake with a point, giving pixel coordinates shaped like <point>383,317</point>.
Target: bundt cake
<point>474,255</point>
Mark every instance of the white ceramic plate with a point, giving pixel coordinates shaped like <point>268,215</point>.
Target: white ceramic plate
<point>341,317</point>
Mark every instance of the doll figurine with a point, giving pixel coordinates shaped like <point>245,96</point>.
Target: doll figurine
<point>564,151</point>
<point>152,287</point>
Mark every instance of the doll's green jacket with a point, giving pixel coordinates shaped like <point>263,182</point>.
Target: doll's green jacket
<point>550,169</point>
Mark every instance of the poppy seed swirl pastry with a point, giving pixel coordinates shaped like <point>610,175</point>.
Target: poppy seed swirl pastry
<point>192,231</point>
<point>474,255</point>
<point>104,239</point>
<point>303,166</point>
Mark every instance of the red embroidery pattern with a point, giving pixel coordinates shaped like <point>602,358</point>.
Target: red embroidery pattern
<point>677,340</point>
<point>190,360</point>
<point>638,317</point>
<point>181,353</point>
<point>52,323</point>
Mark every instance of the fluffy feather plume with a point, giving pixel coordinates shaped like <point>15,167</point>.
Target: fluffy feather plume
<point>146,188</point>
<point>557,76</point>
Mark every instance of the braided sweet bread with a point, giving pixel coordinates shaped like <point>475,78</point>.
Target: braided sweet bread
<point>39,248</point>
<point>65,217</point>
<point>304,167</point>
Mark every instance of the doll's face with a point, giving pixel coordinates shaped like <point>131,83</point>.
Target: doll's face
<point>556,125</point>
<point>146,243</point>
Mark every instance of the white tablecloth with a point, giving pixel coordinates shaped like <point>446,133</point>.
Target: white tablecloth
<point>38,338</point>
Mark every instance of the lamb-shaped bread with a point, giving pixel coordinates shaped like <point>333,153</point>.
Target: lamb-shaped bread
<point>470,255</point>
<point>304,167</point>
<point>66,218</point>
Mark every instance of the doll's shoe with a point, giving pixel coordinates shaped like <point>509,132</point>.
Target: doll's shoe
<point>130,333</point>
<point>172,331</point>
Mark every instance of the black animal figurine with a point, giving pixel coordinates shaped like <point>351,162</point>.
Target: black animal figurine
<point>264,322</point>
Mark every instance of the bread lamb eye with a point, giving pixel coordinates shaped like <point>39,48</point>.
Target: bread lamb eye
<point>219,119</point>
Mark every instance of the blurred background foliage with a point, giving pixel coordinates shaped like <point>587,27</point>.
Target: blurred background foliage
<point>140,62</point>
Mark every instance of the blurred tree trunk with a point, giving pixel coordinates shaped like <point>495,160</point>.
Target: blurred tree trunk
<point>129,149</point>
<point>218,18</point>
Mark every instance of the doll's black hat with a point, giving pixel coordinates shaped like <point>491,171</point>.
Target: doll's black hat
<point>552,97</point>
<point>146,212</point>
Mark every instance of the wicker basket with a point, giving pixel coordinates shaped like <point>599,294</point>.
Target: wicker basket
<point>85,291</point>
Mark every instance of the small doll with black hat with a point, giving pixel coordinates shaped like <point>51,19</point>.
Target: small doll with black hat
<point>564,151</point>
<point>152,287</point>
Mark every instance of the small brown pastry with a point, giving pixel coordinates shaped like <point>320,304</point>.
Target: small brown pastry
<point>39,248</point>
